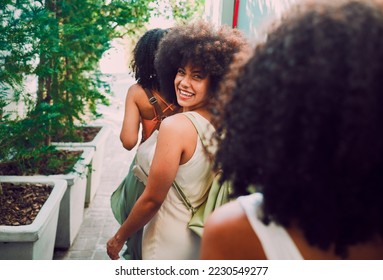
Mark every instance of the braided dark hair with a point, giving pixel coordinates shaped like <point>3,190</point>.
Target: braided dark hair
<point>143,58</point>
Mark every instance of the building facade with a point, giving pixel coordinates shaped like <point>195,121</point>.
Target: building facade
<point>250,16</point>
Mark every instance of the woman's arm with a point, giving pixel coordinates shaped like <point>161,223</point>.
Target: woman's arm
<point>131,122</point>
<point>161,176</point>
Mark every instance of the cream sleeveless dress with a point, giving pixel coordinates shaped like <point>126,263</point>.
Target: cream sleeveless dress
<point>167,236</point>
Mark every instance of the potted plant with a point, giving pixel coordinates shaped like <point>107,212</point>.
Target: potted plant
<point>71,213</point>
<point>58,44</point>
<point>70,164</point>
<point>35,240</point>
<point>95,136</point>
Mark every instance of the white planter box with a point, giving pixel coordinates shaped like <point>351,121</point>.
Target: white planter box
<point>71,213</point>
<point>98,144</point>
<point>35,241</point>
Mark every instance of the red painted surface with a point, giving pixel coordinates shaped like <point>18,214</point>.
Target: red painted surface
<point>235,14</point>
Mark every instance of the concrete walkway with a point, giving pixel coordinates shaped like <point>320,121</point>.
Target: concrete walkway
<point>99,224</point>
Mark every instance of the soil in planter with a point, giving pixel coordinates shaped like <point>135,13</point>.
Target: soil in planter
<point>20,203</point>
<point>57,162</point>
<point>82,134</point>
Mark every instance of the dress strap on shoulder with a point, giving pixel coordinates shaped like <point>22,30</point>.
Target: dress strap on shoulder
<point>154,102</point>
<point>275,240</point>
<point>160,114</point>
<point>205,132</point>
<point>169,106</point>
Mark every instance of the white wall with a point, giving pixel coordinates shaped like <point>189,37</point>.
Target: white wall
<point>255,15</point>
<point>219,11</point>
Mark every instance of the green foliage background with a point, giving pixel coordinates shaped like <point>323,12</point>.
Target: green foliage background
<point>61,43</point>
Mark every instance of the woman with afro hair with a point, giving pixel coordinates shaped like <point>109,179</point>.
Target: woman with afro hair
<point>191,62</point>
<point>144,105</point>
<point>304,127</point>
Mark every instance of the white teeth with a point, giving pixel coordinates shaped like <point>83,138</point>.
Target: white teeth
<point>186,93</point>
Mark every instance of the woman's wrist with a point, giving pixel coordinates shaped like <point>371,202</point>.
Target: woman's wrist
<point>119,238</point>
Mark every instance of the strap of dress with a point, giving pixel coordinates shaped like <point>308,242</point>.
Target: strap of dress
<point>154,102</point>
<point>205,142</point>
<point>170,106</point>
<point>200,133</point>
<point>197,126</point>
<point>276,242</point>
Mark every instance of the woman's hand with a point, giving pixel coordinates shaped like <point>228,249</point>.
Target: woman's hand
<point>113,247</point>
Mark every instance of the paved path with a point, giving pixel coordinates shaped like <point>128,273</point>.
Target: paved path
<point>99,224</point>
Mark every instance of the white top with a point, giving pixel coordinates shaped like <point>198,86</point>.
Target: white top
<point>167,236</point>
<point>276,242</point>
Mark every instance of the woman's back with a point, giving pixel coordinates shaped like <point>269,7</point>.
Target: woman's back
<point>237,225</point>
<point>138,109</point>
<point>165,236</point>
<point>152,110</point>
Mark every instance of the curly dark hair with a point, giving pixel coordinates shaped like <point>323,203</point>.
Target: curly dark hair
<point>305,124</point>
<point>143,58</point>
<point>206,46</point>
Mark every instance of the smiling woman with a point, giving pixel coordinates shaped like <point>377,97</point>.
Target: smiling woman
<point>191,85</point>
<point>191,62</point>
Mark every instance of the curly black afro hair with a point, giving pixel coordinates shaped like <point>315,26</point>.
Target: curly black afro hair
<point>305,124</point>
<point>212,48</point>
<point>143,58</point>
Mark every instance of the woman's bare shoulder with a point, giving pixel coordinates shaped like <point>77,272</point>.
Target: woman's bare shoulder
<point>177,123</point>
<point>135,90</point>
<point>229,214</point>
<point>137,95</point>
<point>136,87</point>
<point>229,235</point>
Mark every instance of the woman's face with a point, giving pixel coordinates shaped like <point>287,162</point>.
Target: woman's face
<point>191,86</point>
